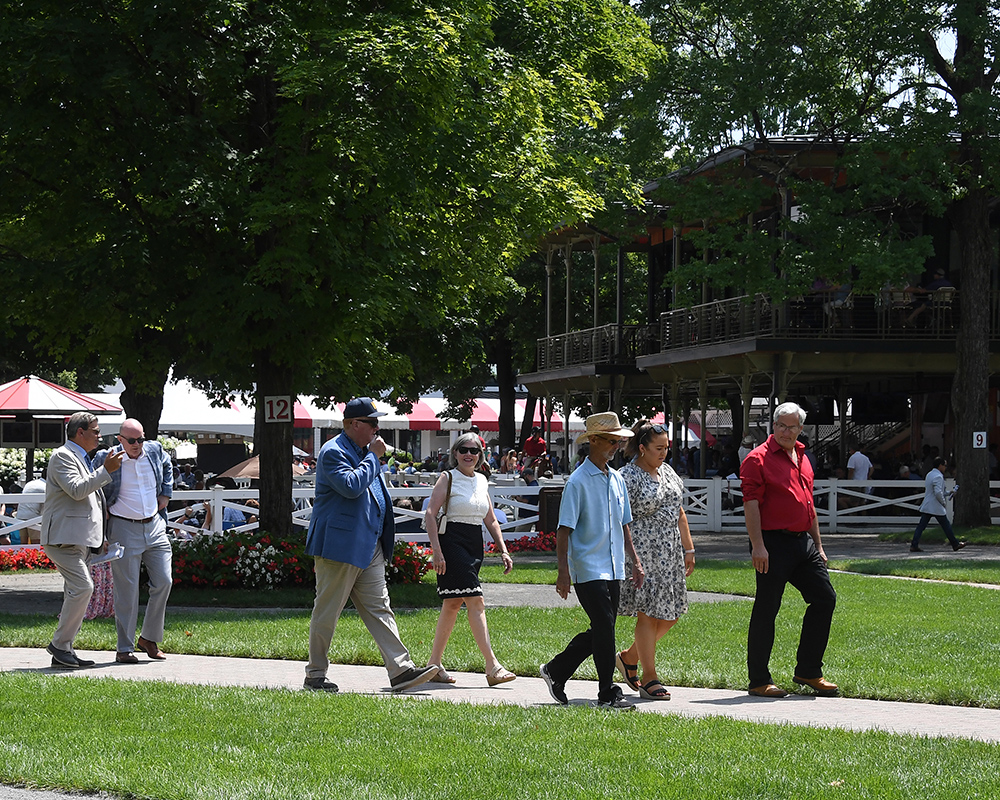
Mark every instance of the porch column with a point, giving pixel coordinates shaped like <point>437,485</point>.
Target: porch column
<point>703,446</point>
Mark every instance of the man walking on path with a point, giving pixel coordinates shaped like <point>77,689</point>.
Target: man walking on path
<point>72,524</point>
<point>136,499</point>
<point>591,542</point>
<point>934,506</point>
<point>351,534</point>
<point>785,547</point>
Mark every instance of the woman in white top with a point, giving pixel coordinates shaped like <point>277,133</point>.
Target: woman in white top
<point>458,553</point>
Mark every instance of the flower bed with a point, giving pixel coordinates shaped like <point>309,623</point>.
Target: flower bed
<point>410,562</point>
<point>544,542</point>
<point>251,560</point>
<point>255,560</point>
<point>24,560</point>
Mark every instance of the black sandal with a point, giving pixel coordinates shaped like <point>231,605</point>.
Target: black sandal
<point>633,679</point>
<point>653,690</point>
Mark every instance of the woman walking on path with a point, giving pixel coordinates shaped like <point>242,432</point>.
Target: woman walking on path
<point>463,493</point>
<point>663,542</point>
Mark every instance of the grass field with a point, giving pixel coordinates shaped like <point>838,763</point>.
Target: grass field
<point>891,639</point>
<point>164,741</point>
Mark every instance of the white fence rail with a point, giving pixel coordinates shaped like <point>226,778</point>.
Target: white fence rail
<point>713,504</point>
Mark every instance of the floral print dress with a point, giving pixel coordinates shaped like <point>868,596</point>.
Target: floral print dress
<point>656,513</point>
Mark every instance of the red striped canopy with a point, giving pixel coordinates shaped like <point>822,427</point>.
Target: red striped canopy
<point>32,395</point>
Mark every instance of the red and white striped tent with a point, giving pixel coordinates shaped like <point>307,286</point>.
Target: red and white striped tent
<point>38,397</point>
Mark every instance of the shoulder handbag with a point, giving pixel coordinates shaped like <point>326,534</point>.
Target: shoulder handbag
<point>442,517</point>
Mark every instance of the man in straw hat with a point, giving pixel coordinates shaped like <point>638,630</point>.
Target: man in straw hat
<point>591,542</point>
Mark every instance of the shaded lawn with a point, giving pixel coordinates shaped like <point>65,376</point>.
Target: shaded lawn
<point>208,742</point>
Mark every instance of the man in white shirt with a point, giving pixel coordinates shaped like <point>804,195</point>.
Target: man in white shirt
<point>135,502</point>
<point>859,466</point>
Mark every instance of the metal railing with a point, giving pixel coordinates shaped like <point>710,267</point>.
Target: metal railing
<point>608,344</point>
<point>820,315</point>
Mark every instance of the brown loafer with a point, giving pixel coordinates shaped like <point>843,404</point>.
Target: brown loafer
<point>151,649</point>
<point>768,690</point>
<point>821,686</point>
<point>126,658</point>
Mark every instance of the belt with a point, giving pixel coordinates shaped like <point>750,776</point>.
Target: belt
<point>139,521</point>
<point>785,532</point>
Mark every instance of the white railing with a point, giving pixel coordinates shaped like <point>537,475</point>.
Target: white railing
<point>713,504</point>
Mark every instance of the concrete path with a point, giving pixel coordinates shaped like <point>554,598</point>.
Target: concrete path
<point>796,709</point>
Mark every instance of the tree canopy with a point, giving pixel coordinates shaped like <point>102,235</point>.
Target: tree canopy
<point>293,197</point>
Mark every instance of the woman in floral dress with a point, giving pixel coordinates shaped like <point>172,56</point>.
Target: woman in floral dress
<point>663,542</point>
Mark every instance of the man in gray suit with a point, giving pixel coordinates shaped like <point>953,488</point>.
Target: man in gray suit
<point>136,499</point>
<point>72,523</point>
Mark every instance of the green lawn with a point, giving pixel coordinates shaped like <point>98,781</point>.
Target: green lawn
<point>891,639</point>
<point>167,741</point>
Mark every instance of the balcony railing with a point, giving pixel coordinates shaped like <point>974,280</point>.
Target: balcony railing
<point>822,315</point>
<point>609,344</point>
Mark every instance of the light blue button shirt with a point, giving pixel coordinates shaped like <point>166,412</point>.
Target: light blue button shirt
<point>595,506</point>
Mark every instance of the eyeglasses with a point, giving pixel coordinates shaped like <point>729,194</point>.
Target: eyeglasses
<point>615,442</point>
<point>367,421</point>
<point>781,426</point>
<point>95,431</point>
<point>468,451</point>
<point>132,439</point>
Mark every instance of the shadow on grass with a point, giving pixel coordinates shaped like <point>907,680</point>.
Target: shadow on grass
<point>985,535</point>
<point>417,595</point>
<point>952,569</point>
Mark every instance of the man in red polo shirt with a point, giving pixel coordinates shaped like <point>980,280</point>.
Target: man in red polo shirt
<point>785,547</point>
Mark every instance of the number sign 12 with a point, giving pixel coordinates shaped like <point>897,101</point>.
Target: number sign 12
<point>277,409</point>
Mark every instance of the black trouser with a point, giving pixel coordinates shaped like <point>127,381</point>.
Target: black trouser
<point>600,600</point>
<point>792,559</point>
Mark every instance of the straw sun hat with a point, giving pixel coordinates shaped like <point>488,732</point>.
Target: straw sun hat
<point>605,423</point>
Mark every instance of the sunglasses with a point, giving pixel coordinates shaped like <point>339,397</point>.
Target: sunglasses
<point>615,442</point>
<point>132,439</point>
<point>372,422</point>
<point>468,451</point>
<point>658,428</point>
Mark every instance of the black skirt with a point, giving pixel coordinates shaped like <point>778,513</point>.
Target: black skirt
<point>462,547</point>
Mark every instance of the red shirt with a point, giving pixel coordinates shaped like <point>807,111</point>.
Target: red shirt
<point>534,446</point>
<point>783,490</point>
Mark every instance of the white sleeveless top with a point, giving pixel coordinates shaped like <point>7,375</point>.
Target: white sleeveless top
<point>470,498</point>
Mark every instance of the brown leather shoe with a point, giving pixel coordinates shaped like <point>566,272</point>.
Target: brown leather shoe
<point>821,686</point>
<point>126,658</point>
<point>768,690</point>
<point>151,649</point>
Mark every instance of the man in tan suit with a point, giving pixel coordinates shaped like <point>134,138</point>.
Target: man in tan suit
<point>72,523</point>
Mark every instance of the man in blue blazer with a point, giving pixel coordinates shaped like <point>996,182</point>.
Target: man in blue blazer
<point>351,535</point>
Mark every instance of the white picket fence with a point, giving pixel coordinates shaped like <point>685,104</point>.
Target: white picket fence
<point>713,504</point>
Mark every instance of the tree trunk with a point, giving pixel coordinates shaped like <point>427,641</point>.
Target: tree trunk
<point>970,388</point>
<point>527,423</point>
<point>273,444</point>
<point>145,407</point>
<point>504,360</point>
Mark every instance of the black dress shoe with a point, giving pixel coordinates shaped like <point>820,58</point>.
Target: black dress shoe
<point>126,658</point>
<point>412,678</point>
<point>958,546</point>
<point>85,662</point>
<point>63,658</point>
<point>916,550</point>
